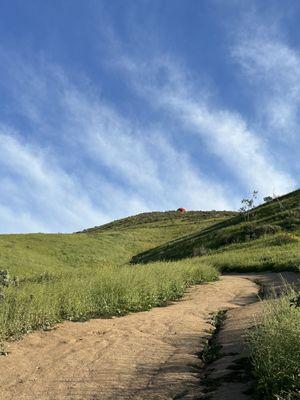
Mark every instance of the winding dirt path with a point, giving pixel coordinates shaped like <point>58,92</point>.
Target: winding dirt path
<point>148,355</point>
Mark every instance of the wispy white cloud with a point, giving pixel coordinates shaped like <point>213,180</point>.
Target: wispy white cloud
<point>142,157</point>
<point>99,165</point>
<point>19,221</point>
<point>36,194</point>
<point>110,139</point>
<point>225,133</point>
<point>271,67</point>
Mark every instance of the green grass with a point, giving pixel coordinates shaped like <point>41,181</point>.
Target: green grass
<point>33,254</point>
<point>271,253</point>
<point>279,216</point>
<point>88,292</point>
<point>169,219</point>
<point>275,350</point>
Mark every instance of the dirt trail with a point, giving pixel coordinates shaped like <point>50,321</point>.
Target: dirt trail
<point>228,376</point>
<point>148,355</point>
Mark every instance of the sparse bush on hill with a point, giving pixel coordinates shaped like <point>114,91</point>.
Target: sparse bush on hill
<point>267,199</point>
<point>4,277</point>
<point>200,251</point>
<point>5,281</point>
<point>291,219</point>
<point>248,206</point>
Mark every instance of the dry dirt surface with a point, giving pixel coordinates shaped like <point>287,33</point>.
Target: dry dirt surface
<point>148,355</point>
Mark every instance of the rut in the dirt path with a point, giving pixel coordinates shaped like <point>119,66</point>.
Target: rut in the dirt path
<point>148,355</point>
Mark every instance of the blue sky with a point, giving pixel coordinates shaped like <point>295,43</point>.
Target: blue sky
<point>111,108</point>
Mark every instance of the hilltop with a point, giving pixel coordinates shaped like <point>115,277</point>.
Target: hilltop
<point>281,216</point>
<point>159,219</point>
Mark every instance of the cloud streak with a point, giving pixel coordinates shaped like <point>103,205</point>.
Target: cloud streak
<point>272,67</point>
<point>94,165</point>
<point>36,194</point>
<point>225,133</point>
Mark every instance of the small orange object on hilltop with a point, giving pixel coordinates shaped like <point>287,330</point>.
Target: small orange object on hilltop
<point>181,210</point>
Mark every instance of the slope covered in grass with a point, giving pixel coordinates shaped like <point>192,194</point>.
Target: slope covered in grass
<point>242,237</point>
<point>32,255</point>
<point>51,277</point>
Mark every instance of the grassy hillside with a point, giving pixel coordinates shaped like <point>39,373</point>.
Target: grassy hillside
<point>46,278</point>
<point>254,239</point>
<point>32,255</point>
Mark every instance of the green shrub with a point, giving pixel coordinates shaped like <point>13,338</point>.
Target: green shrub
<point>4,277</point>
<point>291,219</point>
<point>248,231</point>
<point>282,239</point>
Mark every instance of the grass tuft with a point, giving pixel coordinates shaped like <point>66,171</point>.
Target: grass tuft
<point>275,349</point>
